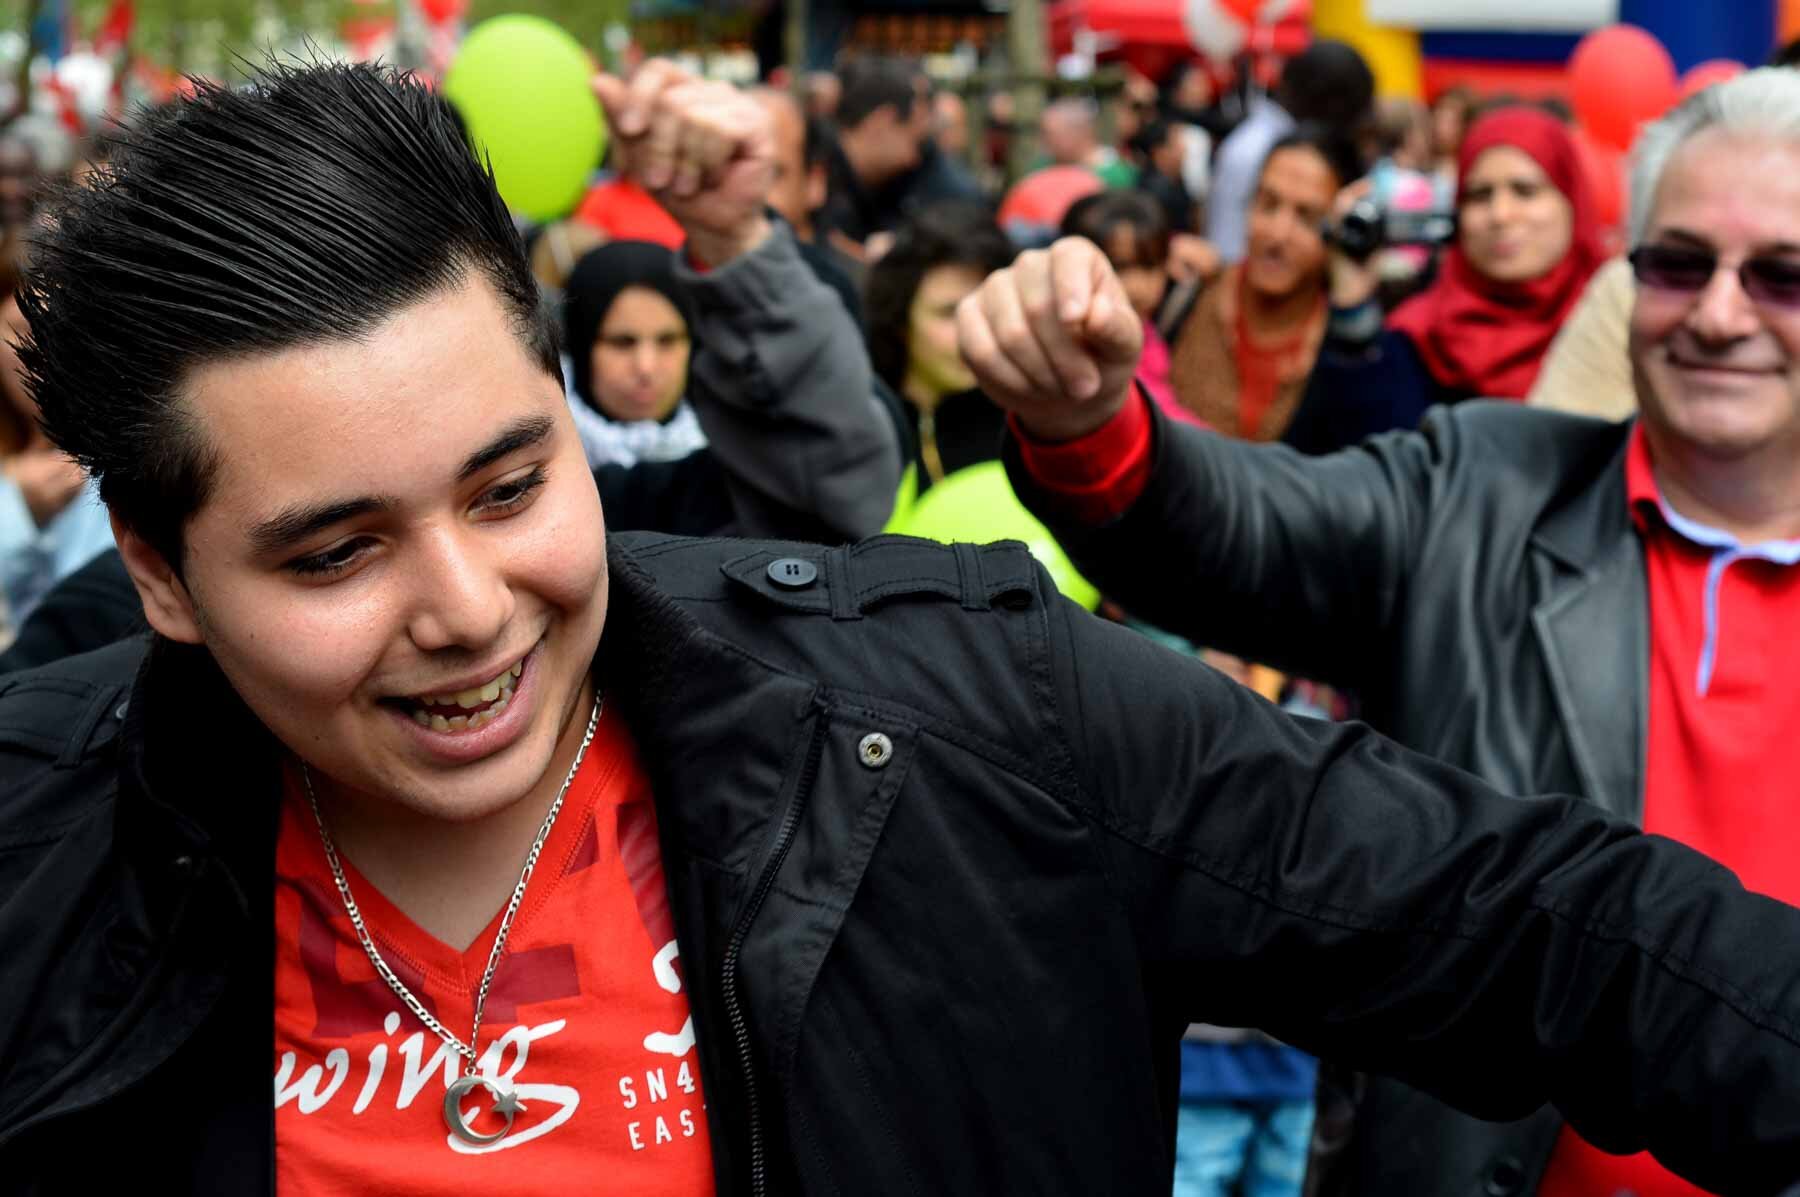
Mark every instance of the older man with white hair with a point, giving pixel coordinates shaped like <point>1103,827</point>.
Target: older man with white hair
<point>1554,603</point>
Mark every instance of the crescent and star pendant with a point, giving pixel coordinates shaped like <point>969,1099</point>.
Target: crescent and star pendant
<point>506,1104</point>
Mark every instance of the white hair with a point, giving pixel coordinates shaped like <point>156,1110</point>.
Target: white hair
<point>1760,103</point>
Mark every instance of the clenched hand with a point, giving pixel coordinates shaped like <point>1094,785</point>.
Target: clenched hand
<point>1053,339</point>
<point>705,150</point>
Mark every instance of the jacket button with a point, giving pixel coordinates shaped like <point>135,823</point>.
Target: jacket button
<point>119,711</point>
<point>792,573</point>
<point>875,751</point>
<point>1505,1177</point>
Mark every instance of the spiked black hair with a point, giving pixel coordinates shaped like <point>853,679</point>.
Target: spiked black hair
<point>304,207</point>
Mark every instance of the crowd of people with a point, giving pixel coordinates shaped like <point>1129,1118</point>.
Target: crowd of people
<point>1357,404</point>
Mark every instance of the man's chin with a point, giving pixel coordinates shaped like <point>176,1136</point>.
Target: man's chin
<point>473,792</point>
<point>1726,425</point>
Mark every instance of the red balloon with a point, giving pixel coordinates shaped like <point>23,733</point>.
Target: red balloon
<point>1605,171</point>
<point>1041,197</point>
<point>1703,75</point>
<point>440,11</point>
<point>1620,77</point>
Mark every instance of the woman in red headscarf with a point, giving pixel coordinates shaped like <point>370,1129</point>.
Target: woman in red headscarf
<point>1527,242</point>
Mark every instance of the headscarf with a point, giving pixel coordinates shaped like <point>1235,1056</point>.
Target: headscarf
<point>595,283</point>
<point>1486,337</point>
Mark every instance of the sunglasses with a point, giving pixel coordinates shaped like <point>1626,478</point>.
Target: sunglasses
<point>1774,281</point>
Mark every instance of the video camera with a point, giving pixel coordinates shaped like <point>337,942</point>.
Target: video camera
<point>1367,228</point>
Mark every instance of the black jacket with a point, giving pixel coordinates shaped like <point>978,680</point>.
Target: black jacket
<point>1356,391</point>
<point>1481,586</point>
<point>961,966</point>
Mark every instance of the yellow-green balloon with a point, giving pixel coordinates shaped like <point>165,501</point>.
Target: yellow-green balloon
<point>524,87</point>
<point>976,503</point>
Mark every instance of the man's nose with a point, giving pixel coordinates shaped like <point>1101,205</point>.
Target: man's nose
<point>461,598</point>
<point>1722,312</point>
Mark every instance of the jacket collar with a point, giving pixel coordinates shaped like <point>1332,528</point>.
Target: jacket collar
<point>1592,622</point>
<point>197,769</point>
<point>1588,524</point>
<point>705,713</point>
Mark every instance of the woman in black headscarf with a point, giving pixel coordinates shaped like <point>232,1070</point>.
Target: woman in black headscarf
<point>627,330</point>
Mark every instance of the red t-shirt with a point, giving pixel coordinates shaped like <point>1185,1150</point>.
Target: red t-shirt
<point>586,1020</point>
<point>1723,716</point>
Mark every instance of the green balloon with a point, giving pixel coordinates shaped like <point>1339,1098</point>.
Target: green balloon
<point>977,504</point>
<point>524,87</point>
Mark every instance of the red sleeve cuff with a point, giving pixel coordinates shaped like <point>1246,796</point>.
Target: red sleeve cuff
<point>1097,477</point>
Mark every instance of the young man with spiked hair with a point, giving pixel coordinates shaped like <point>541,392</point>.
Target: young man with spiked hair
<point>546,862</point>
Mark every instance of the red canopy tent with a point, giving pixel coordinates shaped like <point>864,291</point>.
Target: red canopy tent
<point>1153,35</point>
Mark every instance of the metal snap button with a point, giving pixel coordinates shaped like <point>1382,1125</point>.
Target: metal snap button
<point>1505,1177</point>
<point>875,751</point>
<point>792,573</point>
<point>119,711</point>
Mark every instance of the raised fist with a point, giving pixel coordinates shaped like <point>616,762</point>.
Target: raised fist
<point>1053,339</point>
<point>705,150</point>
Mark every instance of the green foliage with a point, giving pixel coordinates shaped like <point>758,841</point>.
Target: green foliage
<point>200,34</point>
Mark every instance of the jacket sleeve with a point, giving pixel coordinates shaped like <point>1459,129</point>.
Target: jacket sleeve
<point>1363,902</point>
<point>785,393</point>
<point>1296,562</point>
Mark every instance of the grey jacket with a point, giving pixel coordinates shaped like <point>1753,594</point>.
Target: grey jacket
<point>787,398</point>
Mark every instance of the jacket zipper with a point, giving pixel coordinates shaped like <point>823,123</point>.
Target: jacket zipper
<point>728,970</point>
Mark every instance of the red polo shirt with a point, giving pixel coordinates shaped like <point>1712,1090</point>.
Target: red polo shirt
<point>1724,713</point>
<point>1723,706</point>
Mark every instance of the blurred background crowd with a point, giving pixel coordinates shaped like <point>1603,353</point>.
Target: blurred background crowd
<point>1330,215</point>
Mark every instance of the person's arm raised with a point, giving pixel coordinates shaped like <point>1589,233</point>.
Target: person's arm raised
<point>1296,562</point>
<point>780,379</point>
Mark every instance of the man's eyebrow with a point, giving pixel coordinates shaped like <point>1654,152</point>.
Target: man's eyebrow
<point>296,523</point>
<point>522,434</point>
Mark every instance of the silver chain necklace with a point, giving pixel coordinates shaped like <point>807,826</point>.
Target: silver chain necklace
<point>506,1103</point>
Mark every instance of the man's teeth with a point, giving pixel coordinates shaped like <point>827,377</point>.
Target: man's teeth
<point>499,691</point>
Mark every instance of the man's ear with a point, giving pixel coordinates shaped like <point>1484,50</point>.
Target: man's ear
<point>817,187</point>
<point>167,604</point>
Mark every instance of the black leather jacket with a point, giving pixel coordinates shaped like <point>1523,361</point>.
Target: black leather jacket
<point>1480,585</point>
<point>957,966</point>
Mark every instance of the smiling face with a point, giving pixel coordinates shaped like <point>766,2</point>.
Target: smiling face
<point>1718,373</point>
<point>1513,224</point>
<point>394,521</point>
